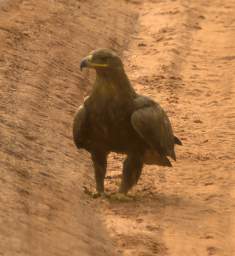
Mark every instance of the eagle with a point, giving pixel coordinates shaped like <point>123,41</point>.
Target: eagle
<point>114,118</point>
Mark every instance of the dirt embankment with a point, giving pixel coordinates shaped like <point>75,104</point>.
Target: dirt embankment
<point>42,209</point>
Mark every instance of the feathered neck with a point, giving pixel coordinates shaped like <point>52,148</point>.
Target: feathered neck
<point>114,81</point>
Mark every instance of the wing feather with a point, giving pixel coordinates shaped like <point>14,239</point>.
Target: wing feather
<point>153,125</point>
<point>79,127</point>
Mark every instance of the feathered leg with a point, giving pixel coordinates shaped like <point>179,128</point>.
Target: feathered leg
<point>132,168</point>
<point>100,165</point>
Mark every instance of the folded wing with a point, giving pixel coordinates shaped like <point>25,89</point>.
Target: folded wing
<point>79,128</point>
<point>152,124</point>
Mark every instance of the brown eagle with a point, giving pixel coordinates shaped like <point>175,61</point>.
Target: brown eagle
<point>114,118</point>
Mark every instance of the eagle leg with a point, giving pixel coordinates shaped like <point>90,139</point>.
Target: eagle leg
<point>100,166</point>
<point>132,168</point>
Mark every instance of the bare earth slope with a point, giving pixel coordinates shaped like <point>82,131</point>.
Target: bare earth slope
<point>42,209</point>
<point>182,54</point>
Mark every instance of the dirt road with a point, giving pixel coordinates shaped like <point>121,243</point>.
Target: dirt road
<point>183,55</point>
<point>179,52</point>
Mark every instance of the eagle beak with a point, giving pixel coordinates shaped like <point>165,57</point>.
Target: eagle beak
<point>86,62</point>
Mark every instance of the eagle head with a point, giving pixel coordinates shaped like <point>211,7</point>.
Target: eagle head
<point>101,59</point>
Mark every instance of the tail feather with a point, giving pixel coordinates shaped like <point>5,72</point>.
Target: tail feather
<point>177,141</point>
<point>152,157</point>
<point>165,161</point>
<point>172,155</point>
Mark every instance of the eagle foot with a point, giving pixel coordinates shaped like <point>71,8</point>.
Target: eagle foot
<point>121,197</point>
<point>99,195</point>
<point>94,194</point>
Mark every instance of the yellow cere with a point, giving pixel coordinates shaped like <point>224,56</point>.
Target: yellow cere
<point>89,58</point>
<point>98,65</point>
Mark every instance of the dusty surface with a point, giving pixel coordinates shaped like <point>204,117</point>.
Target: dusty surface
<point>183,55</point>
<point>42,208</point>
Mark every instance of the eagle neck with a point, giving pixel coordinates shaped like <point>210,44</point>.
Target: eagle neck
<point>114,81</point>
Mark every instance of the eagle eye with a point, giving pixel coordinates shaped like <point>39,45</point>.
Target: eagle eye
<point>103,58</point>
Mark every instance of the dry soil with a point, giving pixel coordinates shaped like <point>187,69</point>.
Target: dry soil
<point>179,52</point>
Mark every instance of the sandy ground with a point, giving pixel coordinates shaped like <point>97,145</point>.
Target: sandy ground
<point>179,52</point>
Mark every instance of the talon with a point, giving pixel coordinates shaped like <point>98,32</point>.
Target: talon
<point>99,194</point>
